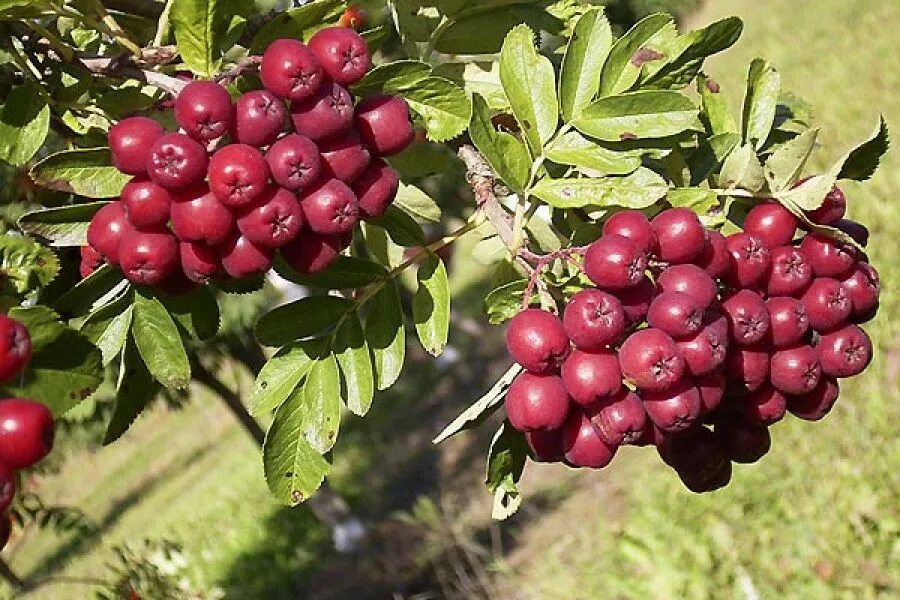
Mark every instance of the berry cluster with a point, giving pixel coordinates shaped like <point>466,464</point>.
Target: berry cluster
<point>232,187</point>
<point>26,427</point>
<point>739,330</point>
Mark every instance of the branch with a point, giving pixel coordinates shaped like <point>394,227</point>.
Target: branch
<point>121,66</point>
<point>481,177</point>
<point>246,64</point>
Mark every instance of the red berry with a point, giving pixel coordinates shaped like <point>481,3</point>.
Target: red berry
<point>198,216</point>
<point>146,204</point>
<point>845,352</point>
<point>7,490</point>
<point>313,252</point>
<point>748,319</point>
<point>764,406</point>
<point>294,162</point>
<point>15,348</point>
<point>634,225</point>
<point>748,367</point>
<point>326,113</point>
<point>536,402</point>
<point>582,445</point>
<point>701,465</point>
<point>593,319</point>
<point>274,220</point>
<point>651,360</point>
<point>259,118</point>
<point>772,223</point>
<point>815,405</point>
<point>383,122</point>
<point>330,207</point>
<point>856,230</point>
<point>242,258</point>
<point>790,273</point>
<point>199,262</point>
<point>795,370</point>
<point>91,260</point>
<point>682,237</point>
<point>636,300</point>
<point>676,408</point>
<point>176,161</point>
<point>108,226</point>
<point>832,209</point>
<point>742,441</point>
<point>690,280</point>
<point>536,340</point>
<point>344,157</point>
<point>614,262</point>
<point>148,257</point>
<point>130,141</point>
<point>705,351</point>
<point>203,109</point>
<point>828,257</point>
<point>750,260</point>
<point>715,258</point>
<point>591,376</point>
<point>26,432</point>
<point>827,303</point>
<point>712,389</point>
<point>676,314</point>
<point>622,419</point>
<point>290,70</point>
<point>238,175</point>
<point>342,52</point>
<point>354,18</point>
<point>376,189</point>
<point>788,322</point>
<point>863,287</point>
<point>545,444</point>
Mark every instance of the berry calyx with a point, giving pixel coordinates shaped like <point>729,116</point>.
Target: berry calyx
<point>748,319</point>
<point>537,340</point>
<point>204,110</point>
<point>750,260</point>
<point>614,262</point>
<point>294,162</point>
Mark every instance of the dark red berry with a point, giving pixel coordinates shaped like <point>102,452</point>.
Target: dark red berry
<point>651,360</point>
<point>676,314</point>
<point>591,376</point>
<point>330,207</point>
<point>383,122</point>
<point>827,303</point>
<point>742,441</point>
<point>376,189</point>
<point>130,141</point>
<point>681,236</point>
<point>636,300</point>
<point>676,408</point>
<point>313,252</point>
<point>788,323</point>
<point>622,419</point>
<point>545,444</point>
<point>845,352</point>
<point>712,389</point>
<point>294,162</point>
<point>614,262</point>
<point>863,287</point>
<point>593,319</point>
<point>238,175</point>
<point>328,112</point>
<point>148,257</point>
<point>856,230</point>
<point>344,157</point>
<point>146,204</point>
<point>535,402</point>
<point>795,370</point>
<point>199,262</point>
<point>342,52</point>
<point>748,319</point>
<point>290,70</point>
<point>242,258</point>
<point>198,216</point>
<point>764,406</point>
<point>715,258</point>
<point>203,109</point>
<point>91,260</point>
<point>15,348</point>
<point>833,208</point>
<point>274,220</point>
<point>107,228</point>
<point>790,273</point>
<point>828,257</point>
<point>772,223</point>
<point>26,432</point>
<point>536,340</point>
<point>582,444</point>
<point>705,351</point>
<point>747,367</point>
<point>750,260</point>
<point>690,280</point>
<point>700,463</point>
<point>176,161</point>
<point>7,489</point>
<point>634,225</point>
<point>815,405</point>
<point>259,118</point>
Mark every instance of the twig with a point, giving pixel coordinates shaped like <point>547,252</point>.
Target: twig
<point>540,262</point>
<point>481,178</point>
<point>246,64</point>
<point>119,67</point>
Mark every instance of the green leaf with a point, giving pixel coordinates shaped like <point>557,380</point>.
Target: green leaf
<point>638,190</point>
<point>431,305</point>
<point>23,9</point>
<point>862,162</point>
<point>300,319</point>
<point>355,361</point>
<point>710,155</point>
<point>480,410</point>
<point>201,30</point>
<point>159,342</point>
<point>742,170</point>
<point>297,23</point>
<point>506,155</point>
<point>444,107</point>
<point>644,114</point>
<point>694,47</point>
<point>704,202</point>
<point>760,102</point>
<point>620,71</point>
<point>576,150</point>
<point>530,85</point>
<point>417,203</point>
<point>785,166</point>
<point>65,368</point>
<point>386,335</point>
<point>347,272</point>
<point>402,228</point>
<point>279,377</point>
<point>136,388</point>
<point>62,226</point>
<point>579,77</point>
<point>25,264</point>
<point>483,31</point>
<point>505,463</point>
<point>293,469</point>
<point>380,246</point>
<point>108,328</point>
<point>504,302</point>
<point>24,123</point>
<point>88,293</point>
<point>322,402</point>
<point>393,76</point>
<point>714,109</point>
<point>197,312</point>
<point>85,172</point>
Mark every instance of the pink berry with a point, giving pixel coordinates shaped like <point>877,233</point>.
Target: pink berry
<point>242,258</point>
<point>750,260</point>
<point>747,316</point>
<point>198,216</point>
<point>146,204</point>
<point>91,260</point>
<point>636,300</point>
<point>764,406</point>
<point>712,390</point>
<point>15,348</point>
<point>614,262</point>
<point>795,370</point>
<point>674,409</point>
<point>715,258</point>
<point>238,175</point>
<point>536,402</point>
<point>27,431</point>
<point>106,230</point>
<point>176,161</point>
<point>690,280</point>
<point>537,340</point>
<point>790,273</point>
<point>815,405</point>
<point>344,157</point>
<point>622,419</point>
<point>199,261</point>
<point>828,257</point>
<point>705,351</point>
<point>651,360</point>
<point>827,303</point>
<point>148,257</point>
<point>545,444</point>
<point>311,253</point>
<point>376,189</point>
<point>274,220</point>
<point>330,207</point>
<point>676,314</point>
<point>681,236</point>
<point>593,319</point>
<point>326,113</point>
<point>788,322</point>
<point>747,367</point>
<point>832,209</point>
<point>863,286</point>
<point>591,376</point>
<point>582,445</point>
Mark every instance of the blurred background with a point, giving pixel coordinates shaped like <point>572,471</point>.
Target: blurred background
<point>178,508</point>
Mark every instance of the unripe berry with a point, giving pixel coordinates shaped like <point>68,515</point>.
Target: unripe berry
<point>26,432</point>
<point>176,161</point>
<point>146,204</point>
<point>715,258</point>
<point>614,262</point>
<point>536,402</point>
<point>545,444</point>
<point>290,70</point>
<point>342,52</point>
<point>815,405</point>
<point>750,260</point>
<point>274,220</point>
<point>712,390</point>
<point>681,236</point>
<point>651,360</point>
<point>742,441</point>
<point>863,287</point>
<point>764,406</point>
<point>294,162</point>
<point>259,118</point>
<point>311,252</point>
<point>700,463</point>
<point>15,348</point>
<point>676,314</point>
<point>705,351</point>
<point>238,175</point>
<point>827,304</point>
<point>634,225</point>
<point>828,257</point>
<point>790,273</point>
<point>788,322</point>
<point>772,223</point>
<point>91,260</point>
<point>326,113</point>
<point>242,258</point>
<point>591,376</point>
<point>148,257</point>
<point>107,228</point>
<point>376,189</point>
<point>203,109</point>
<point>747,367</point>
<point>330,207</point>
<point>833,208</point>
<point>582,445</point>
<point>795,370</point>
<point>536,340</point>
<point>622,419</point>
<point>676,408</point>
<point>198,216</point>
<point>748,319</point>
<point>845,352</point>
<point>690,280</point>
<point>199,262</point>
<point>636,300</point>
<point>383,122</point>
<point>130,141</point>
<point>593,319</point>
<point>7,490</point>
<point>344,157</point>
